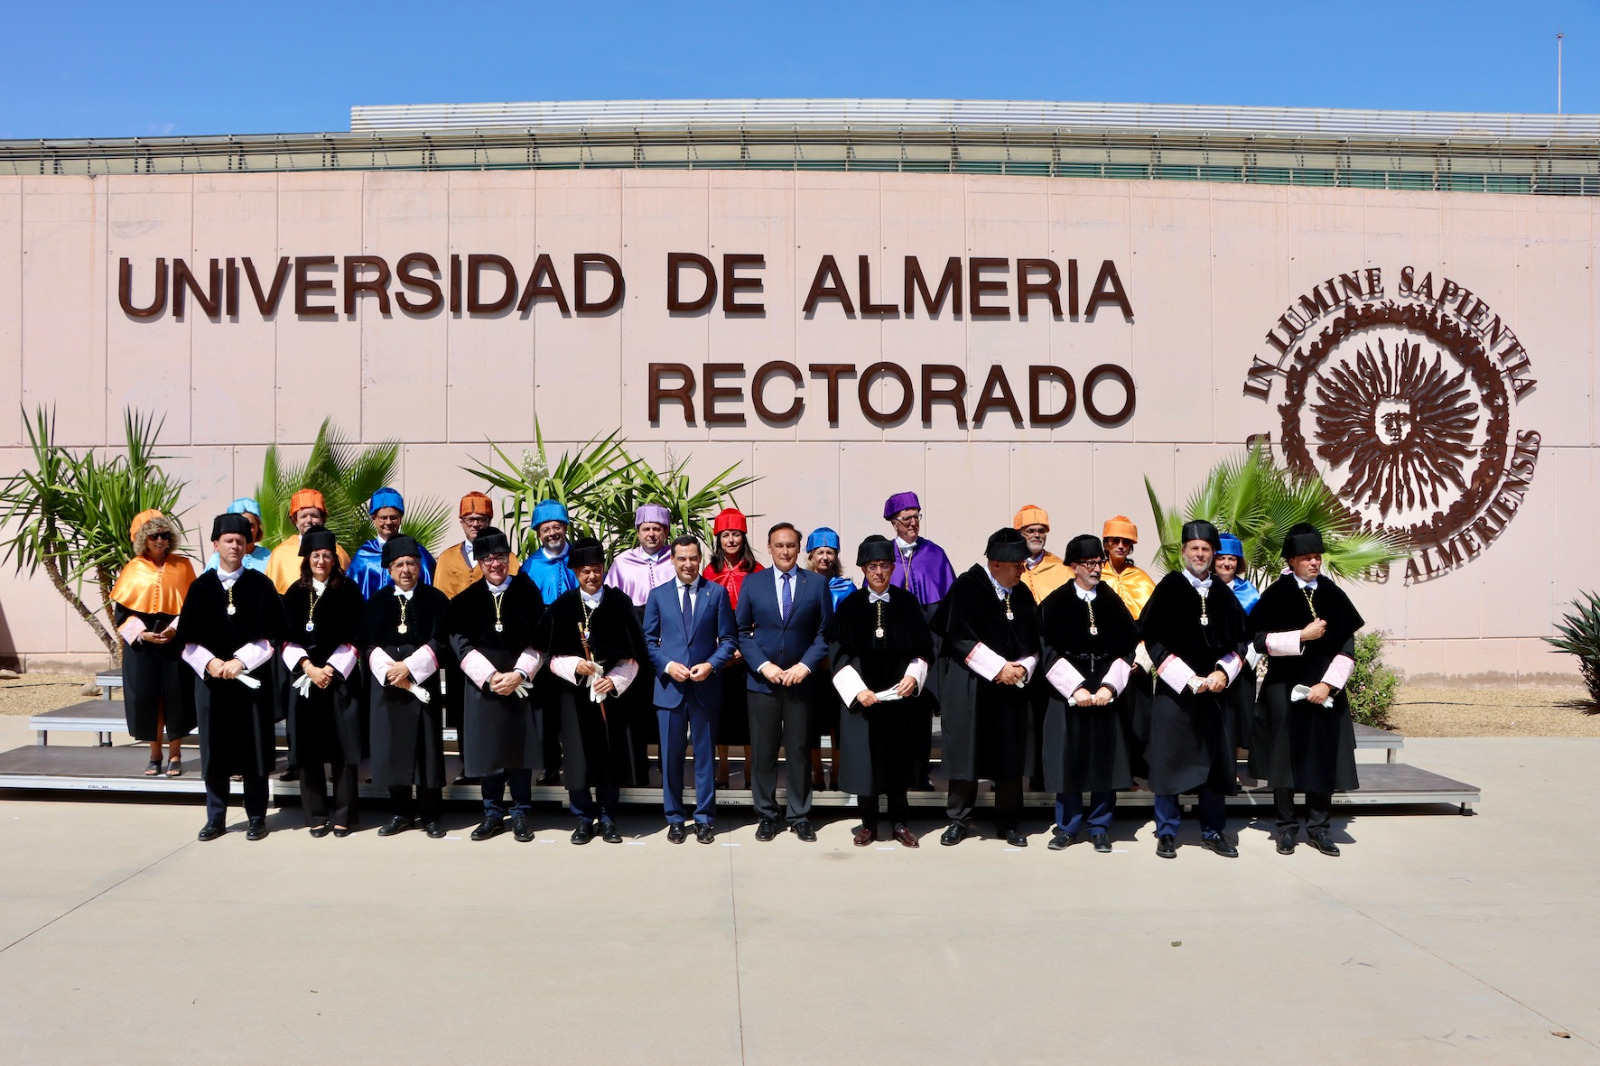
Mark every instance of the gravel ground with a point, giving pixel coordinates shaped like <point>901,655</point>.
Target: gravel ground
<point>1430,710</point>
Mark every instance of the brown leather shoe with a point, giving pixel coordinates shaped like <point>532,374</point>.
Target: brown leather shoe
<point>865,835</point>
<point>905,836</point>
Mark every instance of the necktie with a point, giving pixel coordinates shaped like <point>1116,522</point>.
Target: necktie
<point>787,603</point>
<point>688,614</point>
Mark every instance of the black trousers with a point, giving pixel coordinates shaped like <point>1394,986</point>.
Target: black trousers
<point>962,798</point>
<point>218,785</point>
<point>425,805</point>
<point>1319,808</point>
<point>781,717</point>
<point>899,808</point>
<point>314,794</point>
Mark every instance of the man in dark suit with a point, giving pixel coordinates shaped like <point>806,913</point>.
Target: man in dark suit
<point>783,614</point>
<point>689,633</point>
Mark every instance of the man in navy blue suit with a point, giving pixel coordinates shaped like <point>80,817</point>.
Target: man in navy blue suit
<point>783,614</point>
<point>689,633</point>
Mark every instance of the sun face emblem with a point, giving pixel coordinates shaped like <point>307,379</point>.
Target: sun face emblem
<point>1402,425</point>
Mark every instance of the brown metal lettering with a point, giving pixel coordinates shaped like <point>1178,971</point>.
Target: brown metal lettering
<point>1037,416</point>
<point>955,395</point>
<point>230,288</point>
<point>758,388</point>
<point>676,261</point>
<point>421,284</point>
<point>475,302</point>
<point>267,302</point>
<point>997,394</point>
<point>378,286</point>
<point>306,286</point>
<point>976,287</point>
<point>158,300</point>
<point>455,284</point>
<point>864,393</point>
<point>715,392</point>
<point>1050,288</point>
<point>864,268</point>
<point>683,393</point>
<point>828,284</point>
<point>1107,290</point>
<point>733,284</point>
<point>1093,378</point>
<point>184,282</point>
<point>543,268</point>
<point>832,371</point>
<point>580,282</point>
<point>949,285</point>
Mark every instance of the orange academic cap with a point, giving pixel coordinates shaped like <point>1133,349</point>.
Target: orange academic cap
<point>140,519</point>
<point>307,498</point>
<point>476,503</point>
<point>1120,526</point>
<point>1031,515</point>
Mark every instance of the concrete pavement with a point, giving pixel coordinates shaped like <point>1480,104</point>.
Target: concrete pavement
<point>1435,938</point>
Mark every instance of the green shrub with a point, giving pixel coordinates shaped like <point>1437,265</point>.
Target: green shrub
<point>1578,633</point>
<point>1372,685</point>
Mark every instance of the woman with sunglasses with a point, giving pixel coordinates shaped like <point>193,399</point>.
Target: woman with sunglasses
<point>157,690</point>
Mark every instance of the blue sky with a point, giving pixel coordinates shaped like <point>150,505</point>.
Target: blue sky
<point>117,69</point>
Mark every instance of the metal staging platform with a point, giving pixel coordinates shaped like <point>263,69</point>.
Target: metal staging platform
<point>101,769</point>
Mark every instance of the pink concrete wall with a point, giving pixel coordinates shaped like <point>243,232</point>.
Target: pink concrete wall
<point>1208,268</point>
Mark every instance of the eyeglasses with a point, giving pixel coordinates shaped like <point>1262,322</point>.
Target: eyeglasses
<point>907,520</point>
<point>1109,541</point>
<point>475,520</point>
<point>159,536</point>
<point>1089,564</point>
<point>1034,531</point>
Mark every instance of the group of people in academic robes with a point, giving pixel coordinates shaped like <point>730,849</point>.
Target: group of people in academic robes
<point>1077,669</point>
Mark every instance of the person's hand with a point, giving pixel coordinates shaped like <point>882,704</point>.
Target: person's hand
<point>866,697</point>
<point>677,671</point>
<point>586,668</point>
<point>1313,631</point>
<point>505,684</point>
<point>604,686</point>
<point>1320,692</point>
<point>397,672</point>
<point>152,637</point>
<point>1083,697</point>
<point>738,657</point>
<point>699,671</point>
<point>796,674</point>
<point>404,684</point>
<point>907,687</point>
<point>1216,681</point>
<point>321,676</point>
<point>1010,674</point>
<point>1104,696</point>
<point>773,674</point>
<point>214,668</point>
<point>232,669</point>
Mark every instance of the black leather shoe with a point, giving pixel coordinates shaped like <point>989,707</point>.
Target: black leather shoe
<point>318,831</point>
<point>610,833</point>
<point>803,830</point>
<point>212,830</point>
<point>584,833</point>
<point>290,773</point>
<point>953,835</point>
<point>1102,843</point>
<point>257,829</point>
<point>491,827</point>
<point>676,833</point>
<point>398,824</point>
<point>767,830</point>
<point>1286,842</point>
<point>1061,841</point>
<point>1325,844</point>
<point>1015,838</point>
<point>522,828</point>
<point>1166,847</point>
<point>341,830</point>
<point>1220,845</point>
<point>704,833</point>
<point>435,831</point>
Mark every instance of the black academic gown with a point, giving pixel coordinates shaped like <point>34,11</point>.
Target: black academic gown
<point>595,733</point>
<point>236,722</point>
<point>156,682</point>
<point>1084,749</point>
<point>1191,734</point>
<point>1302,745</point>
<point>879,745</point>
<point>501,732</point>
<point>326,721</point>
<point>987,727</point>
<point>407,734</point>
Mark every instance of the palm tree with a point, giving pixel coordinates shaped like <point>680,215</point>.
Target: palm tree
<point>347,475</point>
<point>1258,501</point>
